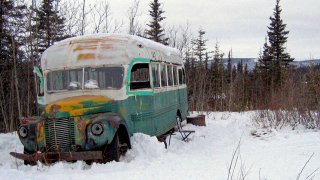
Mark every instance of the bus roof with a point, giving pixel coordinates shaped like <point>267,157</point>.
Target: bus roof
<point>105,49</point>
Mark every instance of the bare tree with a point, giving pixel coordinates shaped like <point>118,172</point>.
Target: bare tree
<point>71,10</point>
<point>172,34</point>
<point>132,16</point>
<point>101,16</point>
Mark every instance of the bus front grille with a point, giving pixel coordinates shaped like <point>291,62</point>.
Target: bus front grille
<point>59,135</point>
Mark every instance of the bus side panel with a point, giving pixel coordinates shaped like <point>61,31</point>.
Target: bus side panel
<point>141,114</point>
<point>165,108</point>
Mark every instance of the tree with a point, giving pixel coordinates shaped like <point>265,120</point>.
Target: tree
<point>132,16</point>
<point>275,58</point>
<point>12,31</point>
<point>278,36</point>
<point>199,46</point>
<point>49,26</point>
<point>156,32</point>
<point>217,89</point>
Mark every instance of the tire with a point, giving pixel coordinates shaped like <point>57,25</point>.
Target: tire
<point>31,163</point>
<point>112,150</point>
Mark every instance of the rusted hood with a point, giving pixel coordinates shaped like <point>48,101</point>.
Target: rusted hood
<point>78,106</point>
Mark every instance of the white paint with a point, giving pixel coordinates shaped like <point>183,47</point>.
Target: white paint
<point>121,49</point>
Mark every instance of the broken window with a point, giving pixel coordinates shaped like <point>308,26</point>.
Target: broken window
<point>140,76</point>
<point>181,77</point>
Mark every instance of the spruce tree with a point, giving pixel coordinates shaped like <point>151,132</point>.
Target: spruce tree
<point>6,10</point>
<point>278,36</point>
<point>11,57</point>
<point>199,46</point>
<point>156,32</point>
<point>275,58</point>
<point>49,26</point>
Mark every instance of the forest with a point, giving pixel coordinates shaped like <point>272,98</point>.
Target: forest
<point>280,92</point>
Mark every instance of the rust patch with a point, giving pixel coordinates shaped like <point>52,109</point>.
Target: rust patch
<point>118,39</point>
<point>86,56</point>
<point>81,48</point>
<point>86,40</point>
<point>55,108</point>
<point>106,46</point>
<point>82,124</point>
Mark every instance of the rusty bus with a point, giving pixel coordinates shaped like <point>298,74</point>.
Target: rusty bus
<point>96,91</point>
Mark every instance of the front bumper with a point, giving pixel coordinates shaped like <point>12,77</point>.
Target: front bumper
<point>50,157</point>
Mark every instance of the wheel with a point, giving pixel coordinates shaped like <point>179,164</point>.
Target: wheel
<point>112,151</point>
<point>31,163</point>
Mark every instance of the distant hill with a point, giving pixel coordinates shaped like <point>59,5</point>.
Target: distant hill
<point>306,63</point>
<point>250,62</point>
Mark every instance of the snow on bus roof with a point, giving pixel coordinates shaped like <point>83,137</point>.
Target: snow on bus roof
<point>102,49</point>
<point>146,42</point>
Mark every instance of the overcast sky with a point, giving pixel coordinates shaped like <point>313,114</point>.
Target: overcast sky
<point>239,24</point>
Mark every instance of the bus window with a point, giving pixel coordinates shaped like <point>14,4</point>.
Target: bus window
<point>180,77</point>
<point>170,78</point>
<point>183,76</point>
<point>163,75</point>
<point>155,75</point>
<point>103,78</point>
<point>175,79</point>
<point>140,78</point>
<point>61,80</point>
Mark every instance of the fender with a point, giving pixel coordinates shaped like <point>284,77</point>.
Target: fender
<point>35,139</point>
<point>111,123</point>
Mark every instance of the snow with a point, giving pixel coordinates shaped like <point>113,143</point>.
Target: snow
<point>75,85</point>
<point>145,42</point>
<point>263,154</point>
<point>91,84</point>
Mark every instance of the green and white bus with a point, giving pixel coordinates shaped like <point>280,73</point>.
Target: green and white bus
<point>98,90</point>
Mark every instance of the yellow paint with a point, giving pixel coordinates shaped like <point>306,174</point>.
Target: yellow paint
<point>74,105</point>
<point>81,48</point>
<point>40,129</point>
<point>86,56</point>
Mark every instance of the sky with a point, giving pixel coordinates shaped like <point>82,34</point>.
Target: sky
<point>240,25</point>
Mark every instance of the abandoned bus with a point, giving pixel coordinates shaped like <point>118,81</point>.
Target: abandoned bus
<point>96,91</point>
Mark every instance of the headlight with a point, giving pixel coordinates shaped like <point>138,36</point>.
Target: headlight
<point>97,129</point>
<point>23,132</point>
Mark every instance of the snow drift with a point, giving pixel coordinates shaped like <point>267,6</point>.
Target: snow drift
<point>263,153</point>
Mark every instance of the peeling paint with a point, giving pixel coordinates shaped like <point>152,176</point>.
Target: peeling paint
<point>86,56</point>
<point>82,48</point>
<point>77,106</point>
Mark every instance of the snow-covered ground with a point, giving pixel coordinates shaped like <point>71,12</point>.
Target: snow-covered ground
<point>270,154</point>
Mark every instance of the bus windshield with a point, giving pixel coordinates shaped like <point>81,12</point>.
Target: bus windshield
<point>85,78</point>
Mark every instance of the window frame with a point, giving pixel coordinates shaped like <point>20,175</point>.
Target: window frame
<point>182,81</point>
<point>157,66</point>
<point>170,69</point>
<point>163,66</point>
<point>149,74</point>
<point>175,76</point>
